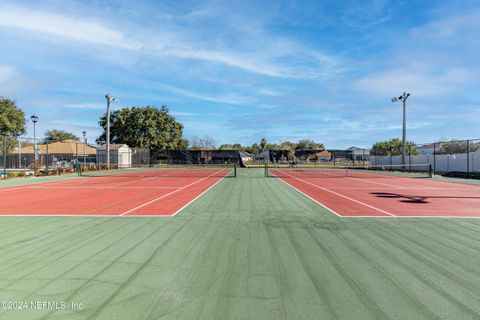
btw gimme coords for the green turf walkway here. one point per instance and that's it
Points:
(250, 248)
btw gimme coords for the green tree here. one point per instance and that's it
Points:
(59, 135)
(393, 147)
(263, 144)
(287, 145)
(12, 124)
(306, 144)
(235, 146)
(253, 149)
(12, 118)
(453, 147)
(145, 127)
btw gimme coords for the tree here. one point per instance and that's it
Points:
(263, 144)
(235, 146)
(144, 127)
(287, 145)
(12, 118)
(202, 143)
(253, 149)
(272, 146)
(55, 135)
(307, 144)
(12, 124)
(393, 147)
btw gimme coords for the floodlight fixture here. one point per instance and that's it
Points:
(403, 98)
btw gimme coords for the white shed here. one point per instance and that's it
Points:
(120, 155)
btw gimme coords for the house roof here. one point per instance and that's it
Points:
(426, 146)
(69, 147)
(356, 148)
(113, 146)
(324, 153)
(245, 154)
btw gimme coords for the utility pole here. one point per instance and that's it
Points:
(403, 98)
(109, 99)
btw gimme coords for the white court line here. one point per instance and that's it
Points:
(29, 185)
(415, 217)
(374, 182)
(166, 195)
(400, 188)
(201, 194)
(343, 196)
(306, 195)
(156, 215)
(470, 224)
(160, 187)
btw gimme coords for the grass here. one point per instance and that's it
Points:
(250, 248)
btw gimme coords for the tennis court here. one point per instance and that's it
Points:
(135, 192)
(357, 193)
(249, 248)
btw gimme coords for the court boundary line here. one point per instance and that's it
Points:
(156, 215)
(414, 217)
(373, 217)
(166, 195)
(306, 195)
(153, 215)
(76, 215)
(343, 196)
(201, 194)
(29, 185)
(113, 187)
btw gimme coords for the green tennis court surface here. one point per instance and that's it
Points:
(249, 248)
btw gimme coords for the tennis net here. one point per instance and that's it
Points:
(161, 171)
(373, 171)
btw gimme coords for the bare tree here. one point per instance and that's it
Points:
(202, 143)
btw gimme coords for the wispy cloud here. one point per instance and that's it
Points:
(279, 69)
(6, 73)
(228, 98)
(425, 83)
(184, 114)
(259, 61)
(62, 25)
(86, 106)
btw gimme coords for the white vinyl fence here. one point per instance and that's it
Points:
(440, 163)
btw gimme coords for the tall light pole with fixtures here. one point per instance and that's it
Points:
(84, 147)
(109, 99)
(34, 120)
(403, 98)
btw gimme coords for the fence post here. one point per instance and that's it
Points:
(434, 157)
(46, 159)
(19, 155)
(468, 158)
(5, 157)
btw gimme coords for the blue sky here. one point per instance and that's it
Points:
(242, 70)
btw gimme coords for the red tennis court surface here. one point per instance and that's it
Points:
(387, 196)
(108, 196)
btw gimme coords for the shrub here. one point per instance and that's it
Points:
(11, 174)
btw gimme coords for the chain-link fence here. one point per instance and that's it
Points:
(23, 156)
(457, 158)
(320, 158)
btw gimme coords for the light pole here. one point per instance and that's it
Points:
(403, 98)
(84, 147)
(34, 120)
(109, 99)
